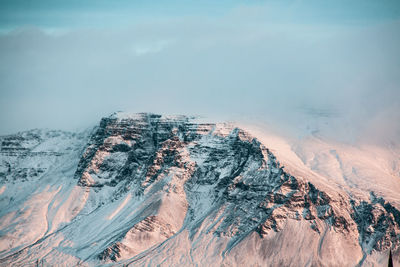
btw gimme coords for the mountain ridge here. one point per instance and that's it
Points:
(141, 184)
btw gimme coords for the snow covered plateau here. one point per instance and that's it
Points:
(148, 190)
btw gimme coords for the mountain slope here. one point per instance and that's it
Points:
(145, 189)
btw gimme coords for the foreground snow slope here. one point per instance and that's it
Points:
(142, 189)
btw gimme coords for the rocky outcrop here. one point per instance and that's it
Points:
(377, 223)
(228, 173)
(26, 156)
(153, 180)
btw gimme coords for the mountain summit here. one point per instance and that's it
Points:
(144, 189)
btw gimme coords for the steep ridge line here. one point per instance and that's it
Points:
(213, 183)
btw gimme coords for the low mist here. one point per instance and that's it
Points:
(297, 72)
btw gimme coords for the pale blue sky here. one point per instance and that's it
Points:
(301, 65)
(106, 13)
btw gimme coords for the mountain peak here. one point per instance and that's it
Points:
(147, 188)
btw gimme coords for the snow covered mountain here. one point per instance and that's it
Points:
(142, 189)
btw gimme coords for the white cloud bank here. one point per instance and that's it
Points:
(250, 63)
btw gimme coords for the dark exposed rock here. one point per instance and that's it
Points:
(228, 176)
(377, 223)
(242, 177)
(26, 157)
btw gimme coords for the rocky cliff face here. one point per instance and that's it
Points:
(146, 189)
(28, 155)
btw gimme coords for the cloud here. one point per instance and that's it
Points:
(141, 49)
(247, 63)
